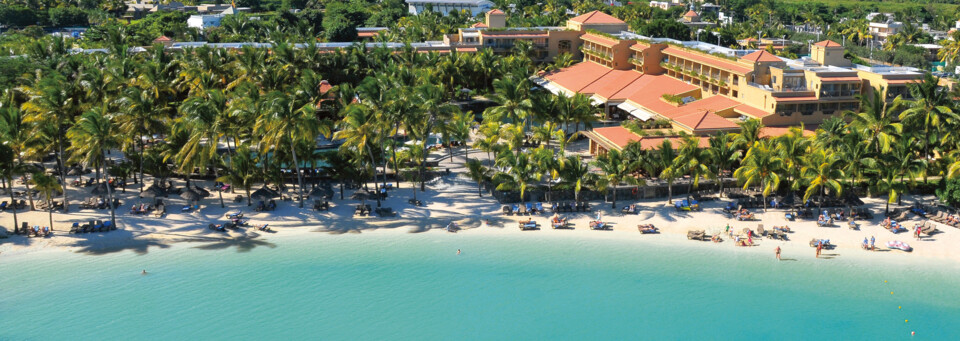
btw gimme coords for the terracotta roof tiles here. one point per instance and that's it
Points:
(597, 18)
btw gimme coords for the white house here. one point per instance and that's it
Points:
(444, 7)
(204, 21)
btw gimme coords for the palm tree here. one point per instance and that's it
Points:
(663, 161)
(283, 121)
(950, 51)
(359, 130)
(749, 133)
(932, 105)
(575, 174)
(243, 172)
(53, 102)
(140, 116)
(693, 160)
(204, 120)
(792, 146)
(513, 98)
(7, 171)
(822, 170)
(477, 172)
(544, 160)
(722, 153)
(519, 173)
(616, 170)
(48, 186)
(16, 134)
(761, 165)
(459, 130)
(90, 138)
(875, 122)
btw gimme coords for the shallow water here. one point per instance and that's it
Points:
(414, 286)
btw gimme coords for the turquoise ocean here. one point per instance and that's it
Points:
(414, 287)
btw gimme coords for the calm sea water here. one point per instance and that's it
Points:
(365, 287)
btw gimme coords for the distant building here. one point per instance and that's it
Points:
(882, 30)
(692, 20)
(444, 7)
(204, 21)
(368, 33)
(665, 5)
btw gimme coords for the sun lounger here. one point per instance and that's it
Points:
(928, 228)
(523, 210)
(75, 228)
(539, 207)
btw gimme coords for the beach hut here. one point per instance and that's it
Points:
(264, 193)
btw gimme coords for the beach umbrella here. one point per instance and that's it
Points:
(190, 195)
(264, 193)
(360, 195)
(203, 193)
(99, 189)
(321, 192)
(152, 192)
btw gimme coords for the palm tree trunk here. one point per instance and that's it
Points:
(113, 216)
(249, 201)
(16, 225)
(27, 183)
(670, 192)
(720, 179)
(49, 212)
(613, 203)
(376, 186)
(296, 166)
(216, 175)
(63, 181)
(142, 146)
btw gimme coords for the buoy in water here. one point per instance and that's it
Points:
(913, 333)
(891, 293)
(884, 281)
(898, 307)
(905, 321)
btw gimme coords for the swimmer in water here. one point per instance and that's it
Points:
(144, 272)
(458, 251)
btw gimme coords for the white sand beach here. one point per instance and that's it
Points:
(453, 198)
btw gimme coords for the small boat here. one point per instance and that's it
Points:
(896, 244)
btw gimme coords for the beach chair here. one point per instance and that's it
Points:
(75, 228)
(523, 209)
(516, 209)
(529, 208)
(539, 207)
(760, 231)
(108, 226)
(506, 210)
(928, 228)
(3, 205)
(586, 207)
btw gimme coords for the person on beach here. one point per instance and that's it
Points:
(918, 232)
(819, 247)
(778, 253)
(872, 240)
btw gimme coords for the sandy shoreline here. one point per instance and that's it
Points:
(454, 199)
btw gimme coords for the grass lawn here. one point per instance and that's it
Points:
(883, 6)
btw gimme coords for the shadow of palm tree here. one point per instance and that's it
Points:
(243, 244)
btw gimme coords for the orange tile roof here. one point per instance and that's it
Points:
(709, 60)
(163, 38)
(578, 76)
(649, 143)
(597, 18)
(827, 43)
(751, 111)
(761, 56)
(647, 90)
(325, 86)
(367, 34)
(495, 11)
(479, 24)
(808, 130)
(690, 13)
(466, 49)
(705, 120)
(639, 46)
(611, 83)
(596, 38)
(618, 135)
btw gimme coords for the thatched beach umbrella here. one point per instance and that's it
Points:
(99, 189)
(152, 192)
(264, 193)
(203, 193)
(190, 195)
(322, 192)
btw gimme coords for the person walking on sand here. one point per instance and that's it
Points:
(778, 253)
(872, 240)
(819, 247)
